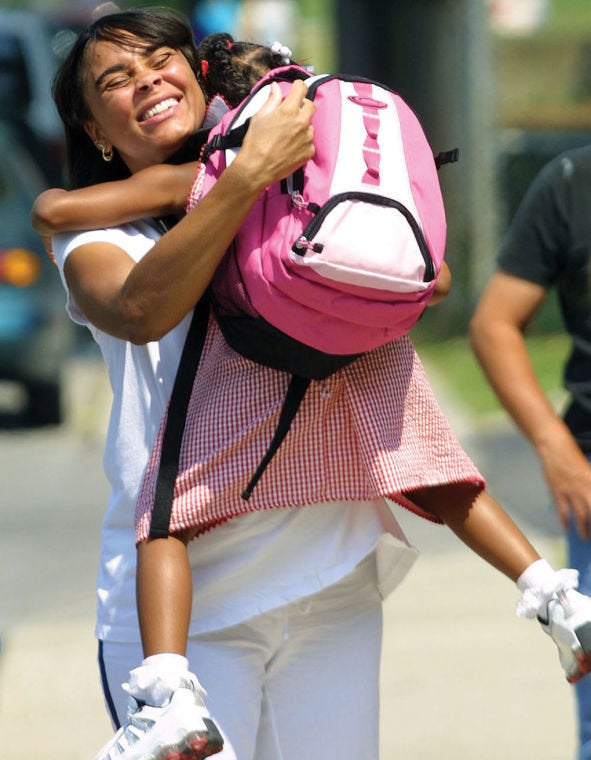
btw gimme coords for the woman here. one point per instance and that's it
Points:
(129, 98)
(286, 621)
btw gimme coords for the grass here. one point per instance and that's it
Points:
(570, 17)
(561, 97)
(455, 365)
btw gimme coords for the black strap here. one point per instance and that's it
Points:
(175, 420)
(232, 139)
(447, 157)
(293, 398)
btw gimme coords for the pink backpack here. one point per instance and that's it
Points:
(344, 254)
(338, 259)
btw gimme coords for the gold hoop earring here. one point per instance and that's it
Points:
(106, 153)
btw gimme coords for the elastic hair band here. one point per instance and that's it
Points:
(282, 50)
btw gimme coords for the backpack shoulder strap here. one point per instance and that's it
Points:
(296, 390)
(234, 136)
(177, 412)
(175, 420)
(232, 139)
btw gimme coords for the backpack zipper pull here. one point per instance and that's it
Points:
(297, 200)
(302, 244)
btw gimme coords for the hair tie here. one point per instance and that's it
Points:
(230, 44)
(283, 51)
(204, 68)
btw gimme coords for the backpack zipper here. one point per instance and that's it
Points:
(306, 240)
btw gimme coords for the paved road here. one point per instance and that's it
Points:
(462, 678)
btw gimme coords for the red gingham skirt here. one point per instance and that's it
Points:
(372, 429)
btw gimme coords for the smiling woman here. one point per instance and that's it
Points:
(143, 102)
(112, 76)
(129, 98)
(285, 624)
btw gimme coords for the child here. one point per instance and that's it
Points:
(445, 487)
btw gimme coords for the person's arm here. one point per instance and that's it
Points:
(155, 191)
(442, 286)
(142, 301)
(497, 337)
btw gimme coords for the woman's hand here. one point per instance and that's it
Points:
(280, 137)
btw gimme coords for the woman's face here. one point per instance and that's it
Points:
(146, 104)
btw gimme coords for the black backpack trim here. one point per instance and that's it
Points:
(317, 365)
(175, 422)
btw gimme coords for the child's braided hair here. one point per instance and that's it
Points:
(231, 68)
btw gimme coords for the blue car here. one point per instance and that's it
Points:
(36, 336)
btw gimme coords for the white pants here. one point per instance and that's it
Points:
(301, 681)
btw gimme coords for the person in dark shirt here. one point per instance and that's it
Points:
(548, 245)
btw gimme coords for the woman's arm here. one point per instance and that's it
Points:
(155, 191)
(142, 301)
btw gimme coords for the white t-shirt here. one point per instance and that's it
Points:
(262, 560)
(141, 379)
(249, 565)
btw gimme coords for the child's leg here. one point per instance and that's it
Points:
(168, 715)
(482, 524)
(164, 588)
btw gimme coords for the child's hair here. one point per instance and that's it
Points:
(230, 68)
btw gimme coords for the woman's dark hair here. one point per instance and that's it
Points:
(153, 28)
(231, 68)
